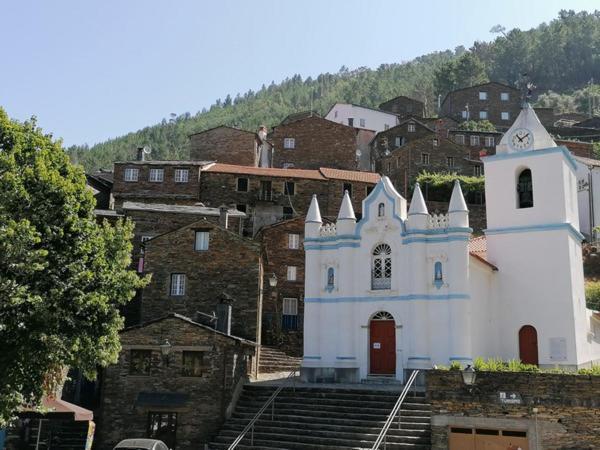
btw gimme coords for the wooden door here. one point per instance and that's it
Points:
(528, 346)
(383, 347)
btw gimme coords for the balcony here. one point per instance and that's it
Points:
(265, 196)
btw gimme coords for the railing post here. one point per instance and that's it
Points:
(252, 435)
(385, 442)
(399, 418)
(273, 410)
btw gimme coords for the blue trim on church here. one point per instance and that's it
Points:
(543, 227)
(370, 199)
(544, 151)
(393, 298)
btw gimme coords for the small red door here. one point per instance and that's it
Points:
(383, 347)
(528, 346)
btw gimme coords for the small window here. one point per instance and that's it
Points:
(350, 122)
(289, 188)
(381, 267)
(398, 162)
(242, 185)
(131, 174)
(435, 142)
(347, 187)
(483, 115)
(157, 175)
(425, 158)
(293, 241)
(477, 171)
(450, 161)
(241, 207)
(438, 276)
(482, 95)
(411, 128)
(193, 364)
(291, 273)
(474, 141)
(489, 141)
(330, 278)
(335, 114)
(505, 115)
(362, 122)
(525, 189)
(386, 127)
(202, 238)
(177, 284)
(289, 143)
(504, 96)
(182, 175)
(288, 212)
(389, 167)
(398, 141)
(381, 210)
(465, 114)
(459, 139)
(290, 314)
(140, 362)
(163, 425)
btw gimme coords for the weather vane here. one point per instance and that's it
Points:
(527, 87)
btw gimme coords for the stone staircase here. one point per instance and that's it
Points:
(326, 418)
(273, 360)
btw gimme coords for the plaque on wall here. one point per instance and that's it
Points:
(558, 349)
(376, 345)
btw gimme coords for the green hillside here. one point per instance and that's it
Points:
(562, 56)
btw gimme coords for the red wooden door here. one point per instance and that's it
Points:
(383, 347)
(528, 346)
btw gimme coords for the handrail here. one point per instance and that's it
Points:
(260, 411)
(395, 410)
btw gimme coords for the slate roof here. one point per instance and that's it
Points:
(182, 209)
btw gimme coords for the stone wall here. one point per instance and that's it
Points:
(203, 400)
(277, 257)
(167, 191)
(404, 107)
(318, 143)
(454, 103)
(568, 407)
(386, 140)
(230, 267)
(225, 145)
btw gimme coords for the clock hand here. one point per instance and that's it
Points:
(525, 135)
(519, 138)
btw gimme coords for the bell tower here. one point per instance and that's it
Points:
(533, 238)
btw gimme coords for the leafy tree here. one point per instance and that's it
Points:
(467, 70)
(477, 125)
(63, 276)
(592, 295)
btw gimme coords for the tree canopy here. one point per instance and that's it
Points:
(476, 125)
(63, 276)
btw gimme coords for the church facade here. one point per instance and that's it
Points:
(402, 289)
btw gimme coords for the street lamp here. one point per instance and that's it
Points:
(273, 280)
(469, 375)
(165, 349)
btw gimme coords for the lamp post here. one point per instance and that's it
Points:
(165, 349)
(273, 280)
(469, 375)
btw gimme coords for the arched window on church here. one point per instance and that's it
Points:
(381, 210)
(438, 276)
(381, 269)
(330, 278)
(525, 189)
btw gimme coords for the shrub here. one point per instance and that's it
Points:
(592, 295)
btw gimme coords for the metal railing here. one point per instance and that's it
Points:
(396, 410)
(269, 402)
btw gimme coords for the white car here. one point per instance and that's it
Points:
(141, 444)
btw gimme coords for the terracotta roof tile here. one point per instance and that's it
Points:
(322, 174)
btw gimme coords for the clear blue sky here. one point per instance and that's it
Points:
(95, 69)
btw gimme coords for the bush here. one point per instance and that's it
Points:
(438, 186)
(592, 295)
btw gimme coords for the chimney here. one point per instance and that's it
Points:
(141, 154)
(223, 216)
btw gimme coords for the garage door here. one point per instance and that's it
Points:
(487, 439)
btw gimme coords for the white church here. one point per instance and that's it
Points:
(401, 290)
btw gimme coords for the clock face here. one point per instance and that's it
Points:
(521, 139)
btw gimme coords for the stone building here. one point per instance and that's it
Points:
(101, 184)
(309, 141)
(269, 195)
(176, 380)
(407, 131)
(404, 106)
(363, 117)
(493, 101)
(230, 145)
(175, 182)
(427, 154)
(479, 143)
(204, 269)
(512, 410)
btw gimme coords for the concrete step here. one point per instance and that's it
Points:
(324, 401)
(408, 423)
(283, 407)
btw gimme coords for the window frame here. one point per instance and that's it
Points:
(474, 141)
(286, 190)
(293, 241)
(462, 139)
(504, 96)
(292, 273)
(131, 170)
(503, 114)
(489, 141)
(289, 143)
(193, 354)
(362, 122)
(483, 95)
(477, 171)
(450, 162)
(178, 178)
(411, 128)
(173, 292)
(483, 114)
(425, 159)
(381, 262)
(152, 175)
(147, 370)
(205, 241)
(237, 184)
